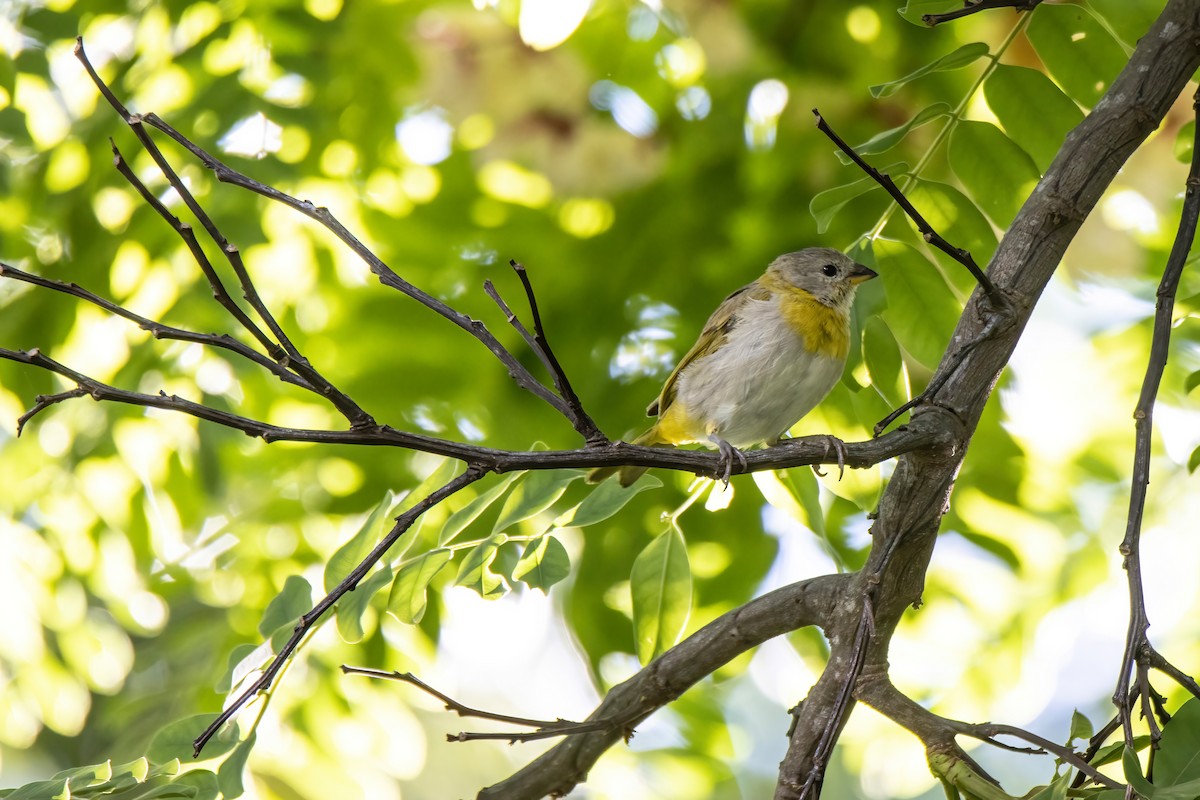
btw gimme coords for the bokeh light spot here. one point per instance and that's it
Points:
(681, 63)
(252, 137)
(339, 159)
(545, 24)
(863, 24)
(512, 183)
(68, 166)
(586, 218)
(425, 136)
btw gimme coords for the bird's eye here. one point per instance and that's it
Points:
(829, 270)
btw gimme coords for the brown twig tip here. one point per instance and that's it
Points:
(975, 6)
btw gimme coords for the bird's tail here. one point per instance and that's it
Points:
(628, 474)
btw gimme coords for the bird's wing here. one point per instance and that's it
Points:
(716, 332)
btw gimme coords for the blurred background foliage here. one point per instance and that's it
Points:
(642, 159)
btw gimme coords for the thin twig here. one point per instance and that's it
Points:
(1000, 307)
(348, 584)
(929, 433)
(282, 349)
(975, 6)
(964, 257)
(1137, 646)
(386, 275)
(157, 329)
(545, 728)
(583, 423)
(44, 401)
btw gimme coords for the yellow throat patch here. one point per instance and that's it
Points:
(826, 330)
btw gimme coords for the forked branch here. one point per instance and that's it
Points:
(1139, 654)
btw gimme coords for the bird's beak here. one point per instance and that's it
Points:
(860, 273)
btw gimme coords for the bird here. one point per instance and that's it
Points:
(766, 357)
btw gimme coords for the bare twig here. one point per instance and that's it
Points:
(964, 257)
(1137, 645)
(802, 451)
(157, 329)
(975, 6)
(44, 401)
(545, 728)
(579, 417)
(348, 584)
(1000, 312)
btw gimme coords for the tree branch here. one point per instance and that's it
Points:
(913, 501)
(545, 728)
(157, 329)
(558, 770)
(803, 451)
(975, 6)
(348, 584)
(1137, 644)
(937, 733)
(1001, 311)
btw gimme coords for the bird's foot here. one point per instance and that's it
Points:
(839, 447)
(728, 453)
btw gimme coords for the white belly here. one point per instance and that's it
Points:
(759, 383)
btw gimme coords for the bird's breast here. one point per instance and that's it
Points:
(825, 330)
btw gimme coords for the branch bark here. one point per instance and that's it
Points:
(915, 498)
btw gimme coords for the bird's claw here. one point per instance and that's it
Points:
(725, 463)
(839, 447)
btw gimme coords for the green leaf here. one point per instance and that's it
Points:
(1076, 49)
(960, 58)
(886, 140)
(85, 775)
(1185, 142)
(961, 223)
(1128, 19)
(605, 500)
(156, 788)
(1111, 753)
(885, 367)
(407, 600)
(460, 519)
(544, 563)
(174, 740)
(38, 790)
(439, 477)
(661, 585)
(139, 768)
(915, 9)
(200, 781)
(288, 606)
(1057, 790)
(997, 173)
(825, 205)
(534, 495)
(1081, 727)
(474, 572)
(1133, 773)
(1034, 112)
(1178, 757)
(237, 666)
(351, 554)
(1193, 461)
(921, 310)
(1192, 381)
(229, 774)
(352, 606)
